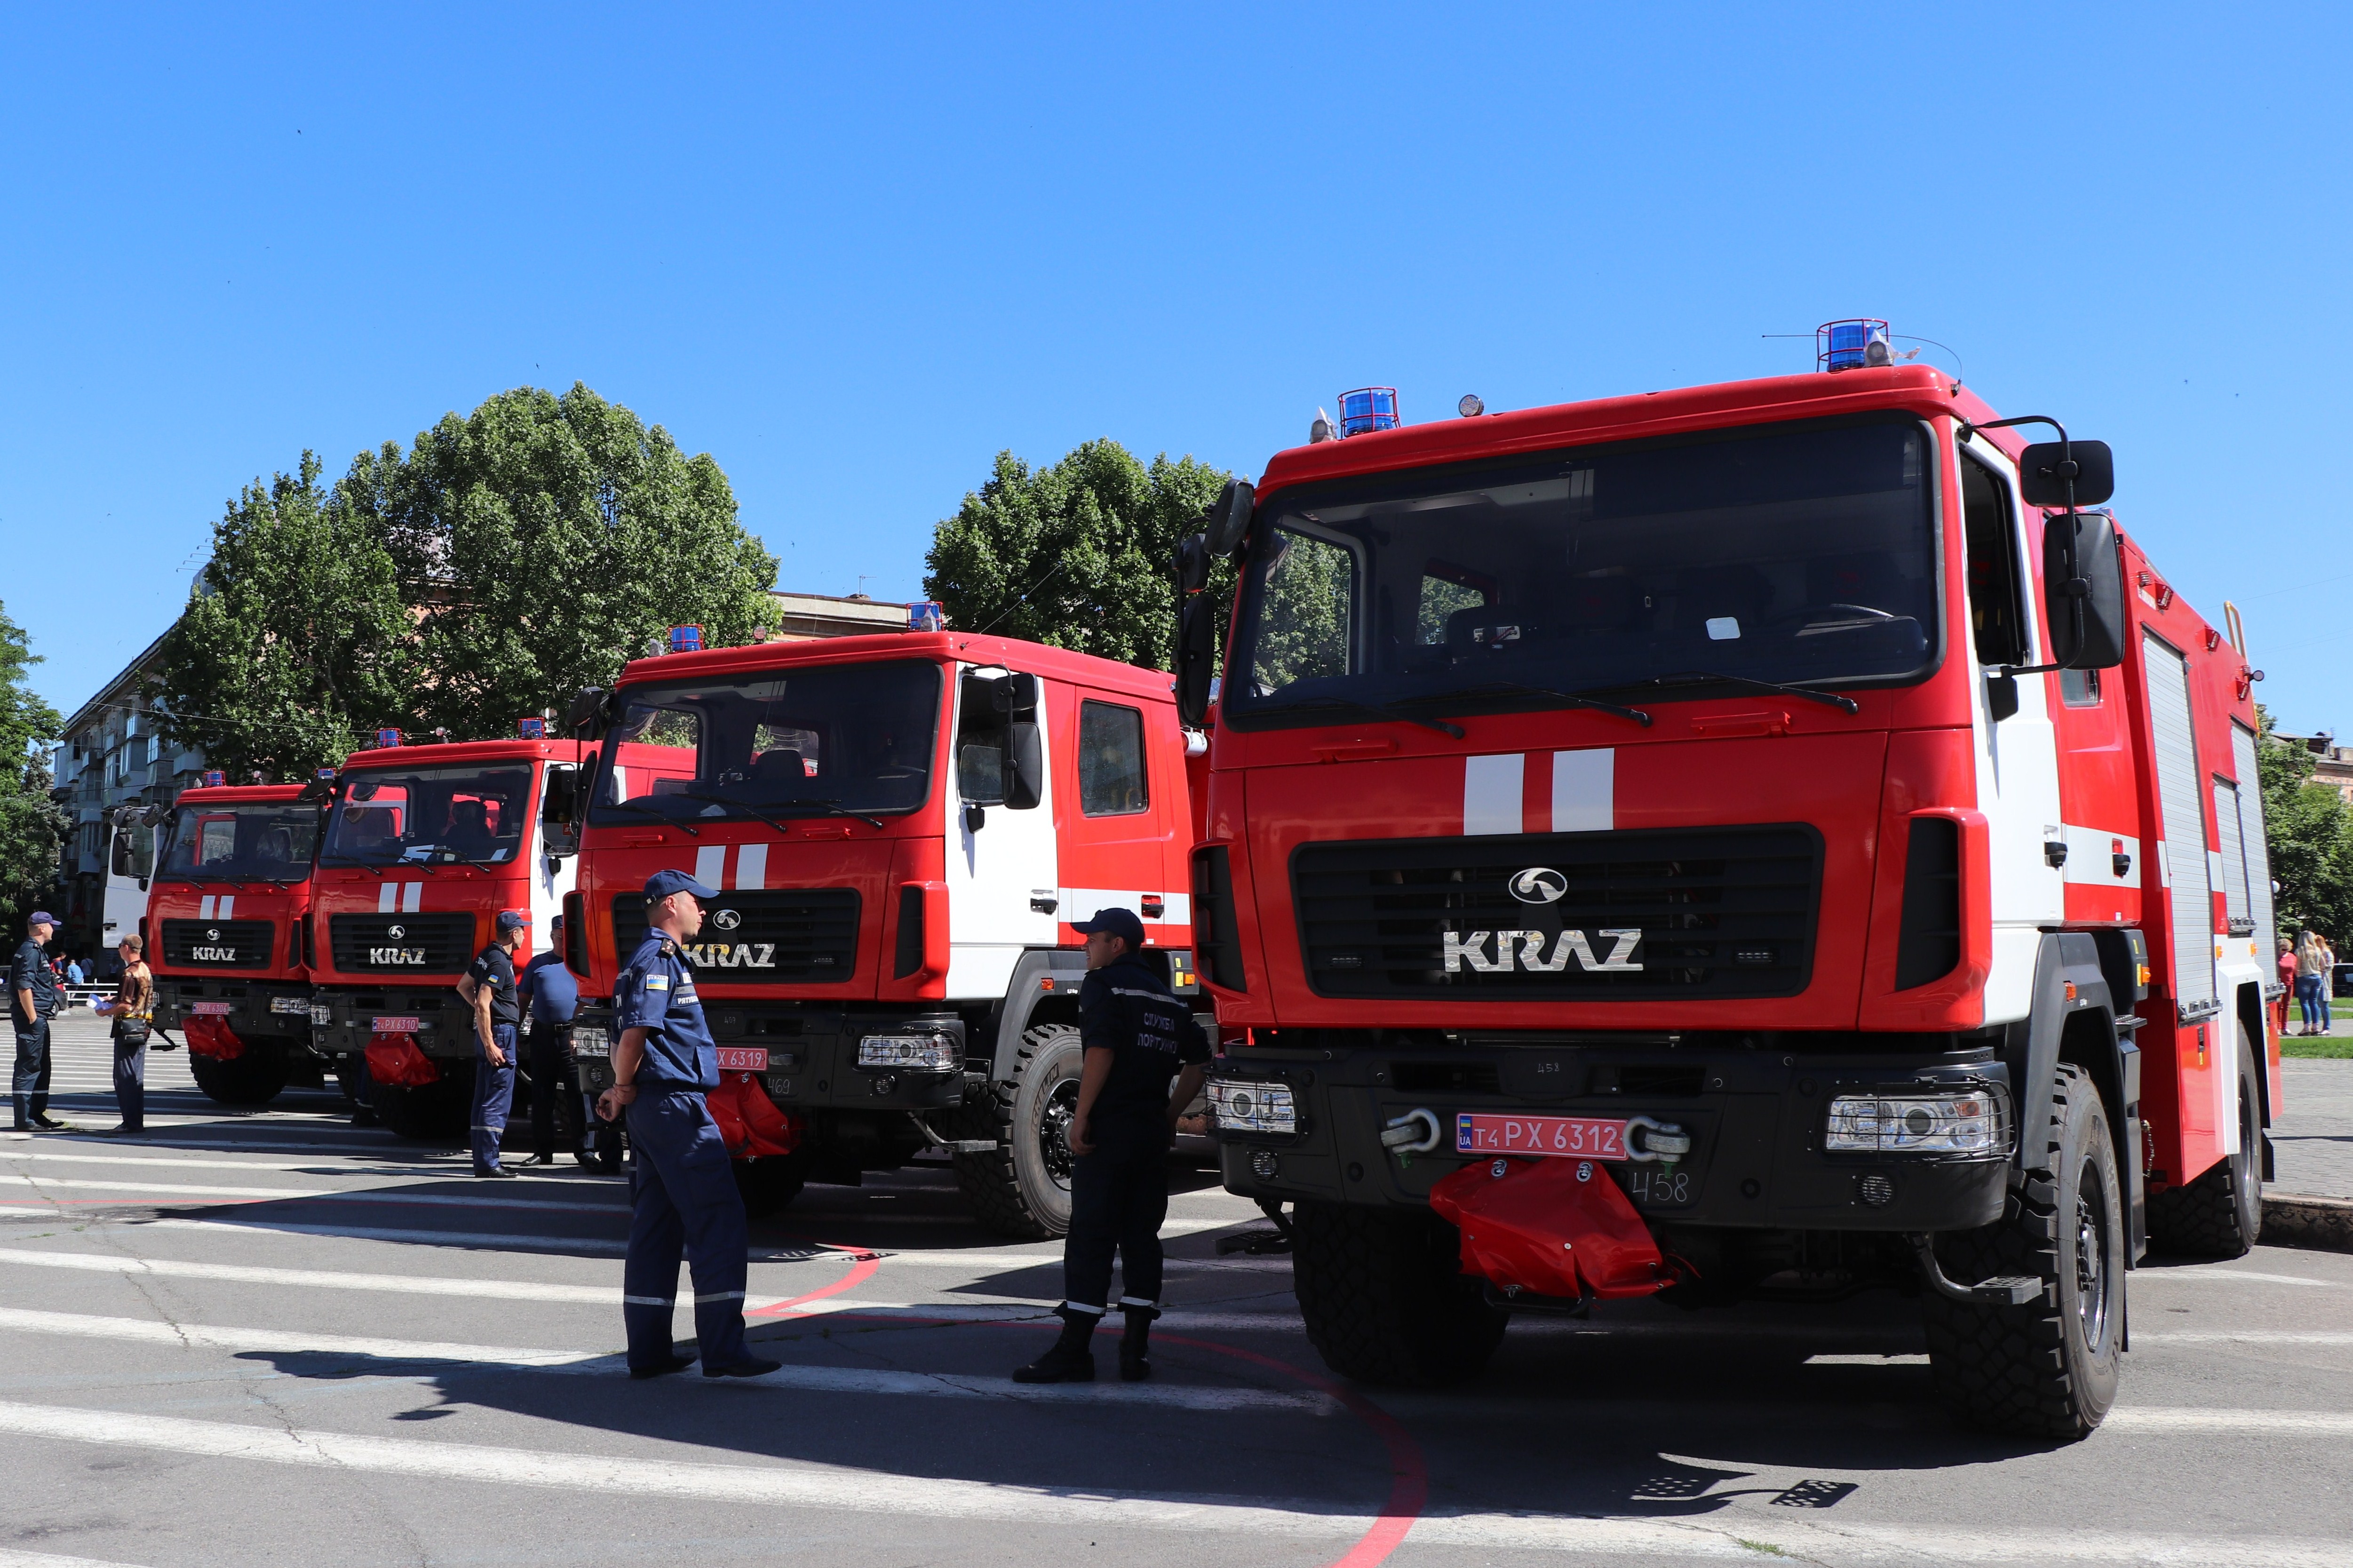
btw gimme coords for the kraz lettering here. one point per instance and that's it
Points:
(213, 955)
(397, 956)
(1525, 950)
(734, 955)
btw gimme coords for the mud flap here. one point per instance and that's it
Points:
(394, 1059)
(1557, 1228)
(212, 1037)
(750, 1123)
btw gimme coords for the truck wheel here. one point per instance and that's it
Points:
(770, 1183)
(1022, 1187)
(251, 1079)
(2219, 1215)
(2047, 1368)
(438, 1112)
(1385, 1296)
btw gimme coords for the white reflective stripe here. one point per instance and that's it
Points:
(1075, 904)
(205, 907)
(412, 897)
(751, 867)
(228, 903)
(388, 896)
(1138, 1301)
(645, 1301)
(1081, 1306)
(1585, 791)
(701, 1296)
(711, 866)
(1491, 793)
(1130, 990)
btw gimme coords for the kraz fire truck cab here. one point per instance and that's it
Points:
(1753, 839)
(423, 846)
(226, 920)
(900, 829)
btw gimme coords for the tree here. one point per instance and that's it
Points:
(2308, 829)
(1078, 555)
(544, 541)
(31, 826)
(296, 639)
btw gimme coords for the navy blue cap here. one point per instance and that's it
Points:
(1114, 921)
(662, 883)
(41, 918)
(513, 920)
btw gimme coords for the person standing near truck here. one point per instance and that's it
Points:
(682, 1196)
(551, 996)
(488, 989)
(1137, 1036)
(132, 1007)
(32, 1002)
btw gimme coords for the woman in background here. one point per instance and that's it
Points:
(132, 1007)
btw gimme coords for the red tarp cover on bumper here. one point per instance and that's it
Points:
(209, 1036)
(749, 1122)
(394, 1059)
(1540, 1228)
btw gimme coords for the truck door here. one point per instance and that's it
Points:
(2182, 826)
(1115, 845)
(1003, 871)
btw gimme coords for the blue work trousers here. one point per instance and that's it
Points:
(494, 1096)
(1119, 1197)
(682, 1206)
(32, 1077)
(130, 1082)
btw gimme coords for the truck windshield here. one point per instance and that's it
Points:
(429, 816)
(820, 740)
(1795, 553)
(257, 843)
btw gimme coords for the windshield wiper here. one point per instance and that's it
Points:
(828, 807)
(1373, 709)
(664, 818)
(1747, 684)
(1574, 699)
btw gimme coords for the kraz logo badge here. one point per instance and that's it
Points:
(396, 957)
(734, 955)
(727, 919)
(212, 933)
(1525, 950)
(212, 955)
(396, 932)
(1538, 884)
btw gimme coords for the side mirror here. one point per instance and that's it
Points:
(2044, 474)
(1197, 648)
(560, 802)
(588, 714)
(2001, 697)
(976, 817)
(1230, 517)
(1025, 767)
(2084, 590)
(1192, 563)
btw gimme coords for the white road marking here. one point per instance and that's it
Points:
(2238, 1276)
(1865, 1361)
(316, 1194)
(2242, 1337)
(2262, 1423)
(307, 1167)
(12, 1558)
(81, 1326)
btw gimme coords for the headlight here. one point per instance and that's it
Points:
(322, 1016)
(910, 1053)
(1967, 1124)
(591, 1043)
(1249, 1105)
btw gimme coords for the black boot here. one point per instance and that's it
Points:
(1135, 1348)
(1070, 1361)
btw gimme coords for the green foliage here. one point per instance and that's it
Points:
(1303, 633)
(546, 541)
(1079, 555)
(295, 638)
(2308, 829)
(30, 827)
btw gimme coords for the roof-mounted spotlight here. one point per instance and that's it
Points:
(1471, 407)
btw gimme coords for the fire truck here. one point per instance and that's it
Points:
(902, 829)
(227, 935)
(423, 846)
(1769, 839)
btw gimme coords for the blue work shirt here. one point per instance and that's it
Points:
(550, 990)
(656, 993)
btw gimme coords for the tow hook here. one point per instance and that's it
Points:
(1416, 1132)
(2011, 1290)
(951, 1145)
(1664, 1141)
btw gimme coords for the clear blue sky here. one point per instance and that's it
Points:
(855, 251)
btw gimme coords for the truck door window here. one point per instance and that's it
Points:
(1997, 618)
(2080, 688)
(1306, 612)
(1111, 760)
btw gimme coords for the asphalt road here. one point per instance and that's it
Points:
(267, 1338)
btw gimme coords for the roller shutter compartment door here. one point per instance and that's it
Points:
(2252, 842)
(2181, 799)
(2233, 854)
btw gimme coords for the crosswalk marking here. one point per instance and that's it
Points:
(314, 1194)
(12, 1558)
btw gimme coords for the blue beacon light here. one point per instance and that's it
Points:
(1852, 344)
(215, 779)
(386, 738)
(686, 640)
(1368, 408)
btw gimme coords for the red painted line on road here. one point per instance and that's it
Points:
(860, 1273)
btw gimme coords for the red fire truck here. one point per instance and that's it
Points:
(225, 932)
(1751, 839)
(423, 846)
(901, 830)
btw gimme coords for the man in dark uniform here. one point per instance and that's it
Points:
(488, 989)
(1137, 1036)
(682, 1196)
(551, 994)
(33, 995)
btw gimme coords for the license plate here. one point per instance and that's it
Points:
(210, 1008)
(1558, 1137)
(395, 1025)
(743, 1058)
(298, 1005)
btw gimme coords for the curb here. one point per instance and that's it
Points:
(2320, 1224)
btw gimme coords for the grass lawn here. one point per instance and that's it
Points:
(2319, 1045)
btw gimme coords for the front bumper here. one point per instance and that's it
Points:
(258, 1009)
(342, 1020)
(1755, 1119)
(812, 1055)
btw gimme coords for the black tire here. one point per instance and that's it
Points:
(1384, 1298)
(2219, 1215)
(2047, 1368)
(438, 1112)
(770, 1183)
(253, 1078)
(1022, 1187)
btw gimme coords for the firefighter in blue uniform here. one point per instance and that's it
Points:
(682, 1195)
(32, 998)
(1137, 1036)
